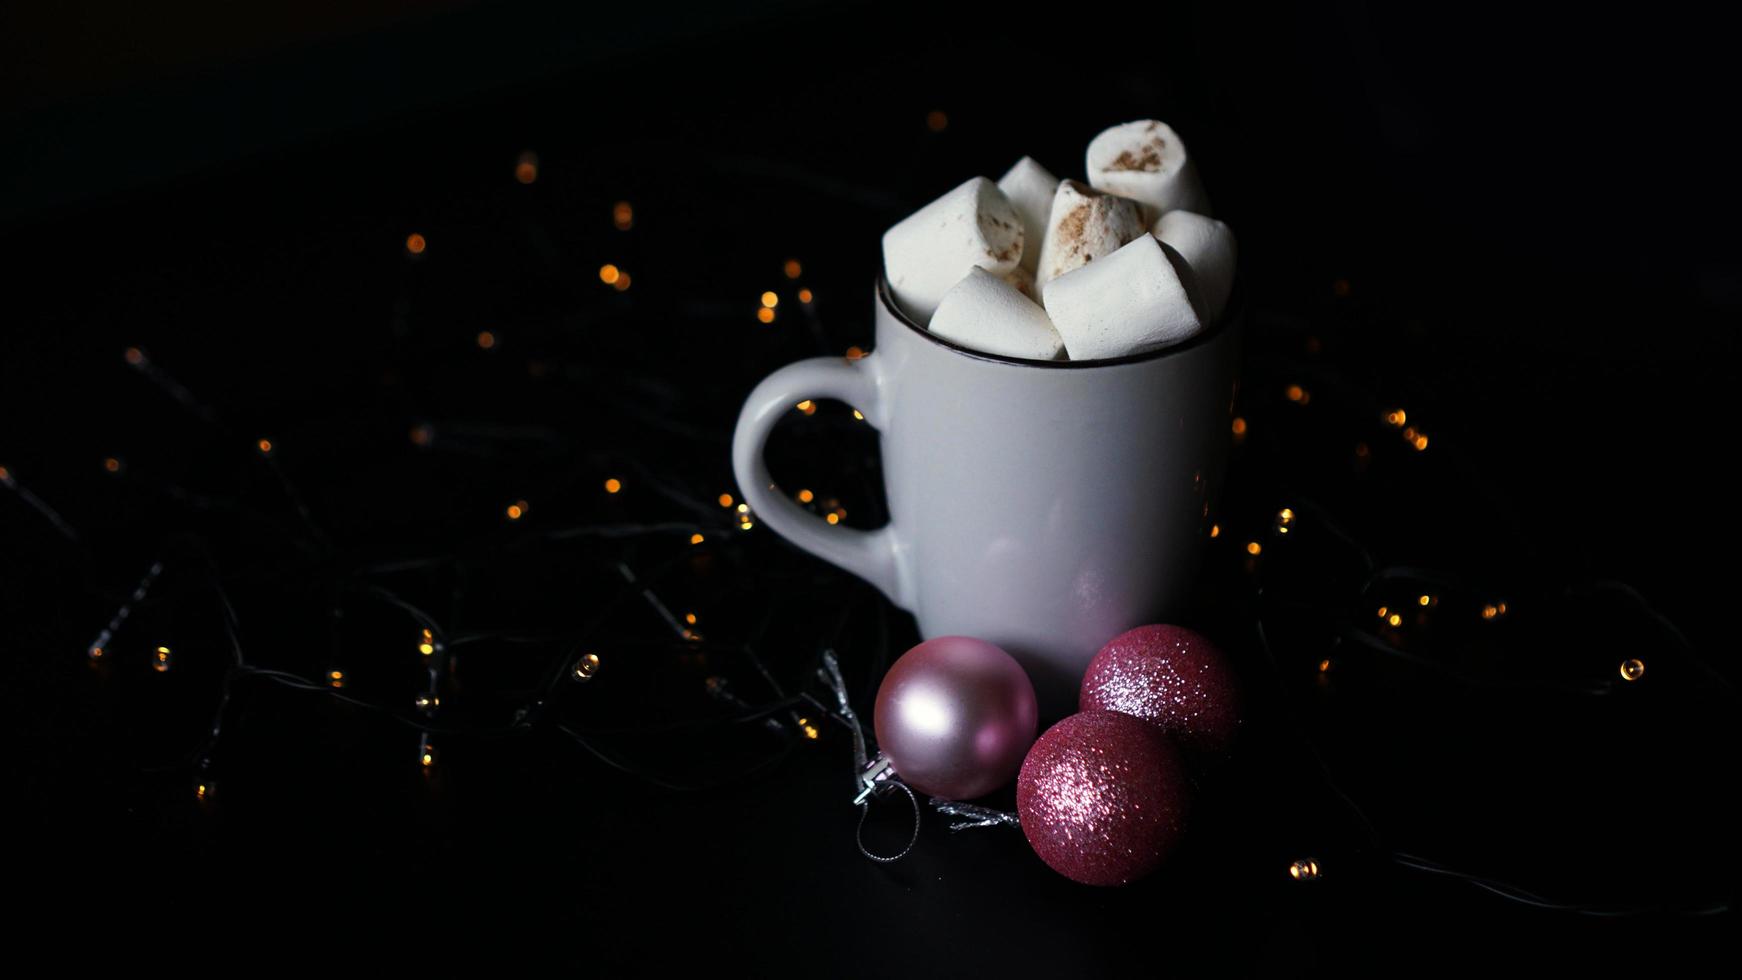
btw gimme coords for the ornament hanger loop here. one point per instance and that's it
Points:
(865, 811)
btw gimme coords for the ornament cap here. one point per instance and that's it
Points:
(875, 773)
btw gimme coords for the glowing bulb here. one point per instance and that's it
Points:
(1295, 393)
(725, 500)
(696, 538)
(810, 730)
(486, 339)
(1239, 426)
(586, 667)
(160, 660)
(265, 447)
(427, 646)
(805, 296)
(336, 678)
(805, 496)
(690, 618)
(1384, 611)
(808, 407)
(1285, 516)
(202, 791)
(95, 653)
(516, 510)
(1394, 619)
(415, 244)
(623, 216)
(858, 415)
(613, 485)
(1306, 869)
(1253, 547)
(793, 269)
(1325, 666)
(622, 282)
(134, 356)
(770, 300)
(765, 315)
(1426, 600)
(1420, 443)
(1215, 530)
(937, 121)
(855, 352)
(112, 464)
(833, 518)
(526, 170)
(428, 757)
(609, 274)
(427, 702)
(1396, 417)
(1490, 612)
(1632, 670)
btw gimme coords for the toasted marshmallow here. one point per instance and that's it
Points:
(1207, 248)
(1085, 224)
(1030, 189)
(1146, 161)
(989, 314)
(931, 249)
(1125, 303)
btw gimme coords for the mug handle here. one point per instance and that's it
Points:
(871, 555)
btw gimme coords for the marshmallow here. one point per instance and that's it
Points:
(1146, 161)
(933, 248)
(1085, 224)
(1207, 247)
(1030, 189)
(988, 314)
(1126, 303)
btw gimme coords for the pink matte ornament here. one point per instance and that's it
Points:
(955, 715)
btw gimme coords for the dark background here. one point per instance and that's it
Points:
(1518, 225)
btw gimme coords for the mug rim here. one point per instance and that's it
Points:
(886, 296)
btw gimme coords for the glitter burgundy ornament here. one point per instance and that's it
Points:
(1173, 678)
(1103, 797)
(954, 716)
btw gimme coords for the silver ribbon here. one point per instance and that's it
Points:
(974, 816)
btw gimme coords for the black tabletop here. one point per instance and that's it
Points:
(461, 370)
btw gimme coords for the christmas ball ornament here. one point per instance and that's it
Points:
(1173, 678)
(954, 716)
(1103, 797)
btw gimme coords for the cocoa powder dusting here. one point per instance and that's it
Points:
(1073, 224)
(1147, 158)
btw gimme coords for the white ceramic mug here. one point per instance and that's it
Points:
(1043, 506)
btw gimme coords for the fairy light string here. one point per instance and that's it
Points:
(710, 522)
